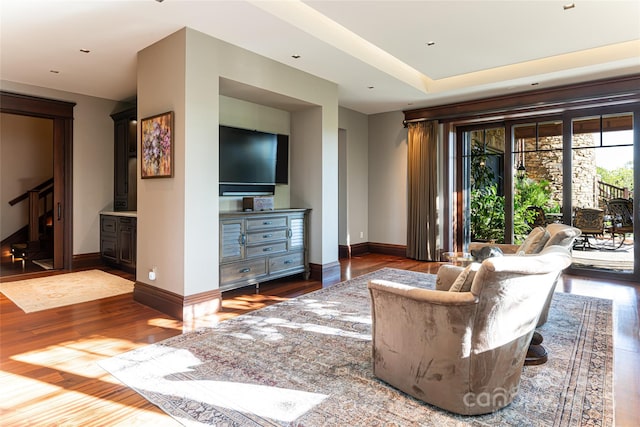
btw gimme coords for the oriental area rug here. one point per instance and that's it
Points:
(60, 290)
(307, 362)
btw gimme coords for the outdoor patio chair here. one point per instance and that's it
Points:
(590, 221)
(621, 213)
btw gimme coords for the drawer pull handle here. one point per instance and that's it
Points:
(266, 236)
(269, 249)
(245, 270)
(288, 261)
(267, 222)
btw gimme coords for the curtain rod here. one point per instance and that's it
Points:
(405, 123)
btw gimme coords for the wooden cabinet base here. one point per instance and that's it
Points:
(259, 246)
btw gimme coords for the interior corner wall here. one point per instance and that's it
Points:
(92, 160)
(343, 200)
(181, 73)
(388, 185)
(356, 157)
(26, 160)
(161, 201)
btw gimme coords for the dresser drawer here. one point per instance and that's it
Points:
(264, 250)
(108, 224)
(243, 270)
(286, 262)
(264, 223)
(266, 236)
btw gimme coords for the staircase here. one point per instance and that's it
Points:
(35, 241)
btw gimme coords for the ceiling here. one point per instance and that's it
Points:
(378, 52)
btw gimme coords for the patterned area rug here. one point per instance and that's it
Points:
(307, 361)
(59, 290)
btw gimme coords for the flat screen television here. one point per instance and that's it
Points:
(252, 162)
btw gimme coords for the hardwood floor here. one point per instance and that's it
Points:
(48, 359)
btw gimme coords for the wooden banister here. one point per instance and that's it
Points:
(38, 188)
(40, 191)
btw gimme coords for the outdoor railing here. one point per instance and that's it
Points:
(608, 191)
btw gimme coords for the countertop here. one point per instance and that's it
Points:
(133, 214)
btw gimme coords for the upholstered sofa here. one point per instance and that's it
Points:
(538, 239)
(555, 234)
(463, 351)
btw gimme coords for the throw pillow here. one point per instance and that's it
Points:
(562, 235)
(465, 278)
(535, 241)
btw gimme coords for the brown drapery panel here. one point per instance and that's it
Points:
(422, 213)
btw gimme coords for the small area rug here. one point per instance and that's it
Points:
(307, 362)
(64, 289)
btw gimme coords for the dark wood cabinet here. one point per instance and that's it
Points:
(125, 153)
(118, 241)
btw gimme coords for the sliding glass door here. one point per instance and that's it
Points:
(576, 169)
(602, 185)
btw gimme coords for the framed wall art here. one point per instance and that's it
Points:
(156, 151)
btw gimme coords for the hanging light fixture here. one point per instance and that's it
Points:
(521, 171)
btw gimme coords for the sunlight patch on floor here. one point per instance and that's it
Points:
(169, 374)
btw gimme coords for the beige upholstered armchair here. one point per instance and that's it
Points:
(463, 351)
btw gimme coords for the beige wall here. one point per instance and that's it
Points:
(388, 179)
(92, 160)
(355, 159)
(26, 160)
(177, 217)
(248, 115)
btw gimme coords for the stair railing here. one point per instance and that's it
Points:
(34, 196)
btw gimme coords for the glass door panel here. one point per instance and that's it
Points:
(602, 151)
(537, 163)
(483, 176)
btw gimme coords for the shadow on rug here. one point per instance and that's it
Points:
(307, 361)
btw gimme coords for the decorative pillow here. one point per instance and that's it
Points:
(562, 235)
(465, 278)
(535, 241)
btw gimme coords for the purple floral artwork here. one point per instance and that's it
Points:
(157, 146)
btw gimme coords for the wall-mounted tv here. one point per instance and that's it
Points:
(252, 162)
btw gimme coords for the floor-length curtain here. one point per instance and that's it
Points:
(422, 221)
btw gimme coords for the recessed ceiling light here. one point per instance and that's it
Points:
(535, 84)
(569, 6)
(159, 1)
(85, 50)
(295, 56)
(431, 43)
(54, 71)
(370, 87)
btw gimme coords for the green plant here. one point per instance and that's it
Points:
(487, 209)
(487, 214)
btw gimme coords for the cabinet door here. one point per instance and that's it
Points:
(296, 232)
(108, 238)
(121, 165)
(127, 241)
(232, 240)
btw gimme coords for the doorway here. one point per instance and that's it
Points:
(61, 115)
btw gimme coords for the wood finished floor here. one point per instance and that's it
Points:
(48, 360)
